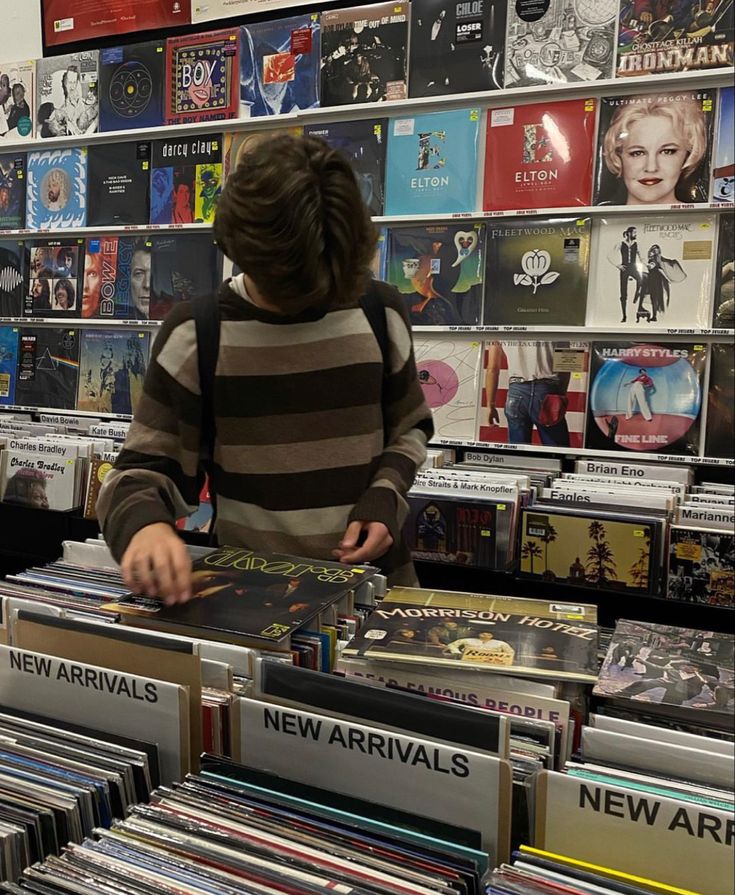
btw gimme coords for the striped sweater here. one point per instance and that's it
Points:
(308, 435)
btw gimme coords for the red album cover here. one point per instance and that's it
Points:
(69, 21)
(203, 77)
(540, 155)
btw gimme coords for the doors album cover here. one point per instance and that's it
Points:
(449, 373)
(701, 567)
(17, 100)
(439, 270)
(537, 272)
(540, 155)
(456, 47)
(112, 368)
(655, 148)
(48, 368)
(132, 84)
(67, 95)
(458, 531)
(724, 309)
(432, 163)
(364, 53)
(119, 177)
(723, 157)
(646, 397)
(117, 277)
(56, 189)
(54, 278)
(202, 77)
(534, 393)
(186, 180)
(9, 336)
(12, 255)
(12, 191)
(182, 267)
(655, 269)
(279, 66)
(719, 440)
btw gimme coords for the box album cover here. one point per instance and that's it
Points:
(132, 84)
(589, 550)
(364, 144)
(237, 143)
(17, 100)
(112, 367)
(117, 277)
(724, 310)
(449, 373)
(474, 631)
(652, 270)
(439, 270)
(279, 66)
(12, 257)
(540, 155)
(54, 278)
(655, 148)
(645, 397)
(8, 363)
(12, 191)
(186, 180)
(701, 567)
(723, 162)
(364, 54)
(676, 668)
(56, 189)
(118, 175)
(48, 367)
(202, 76)
(44, 483)
(719, 439)
(456, 47)
(182, 267)
(67, 94)
(461, 532)
(537, 272)
(534, 393)
(556, 41)
(432, 163)
(657, 38)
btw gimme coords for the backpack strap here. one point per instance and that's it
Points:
(207, 322)
(374, 310)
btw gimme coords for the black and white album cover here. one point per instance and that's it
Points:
(12, 254)
(67, 95)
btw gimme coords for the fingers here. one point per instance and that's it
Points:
(377, 543)
(160, 568)
(351, 536)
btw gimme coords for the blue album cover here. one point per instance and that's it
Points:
(8, 363)
(12, 191)
(132, 83)
(112, 368)
(723, 174)
(279, 66)
(432, 163)
(56, 194)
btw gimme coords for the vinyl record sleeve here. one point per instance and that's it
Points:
(558, 42)
(652, 270)
(538, 391)
(432, 163)
(47, 483)
(688, 36)
(364, 144)
(67, 95)
(17, 100)
(48, 367)
(724, 310)
(701, 566)
(117, 277)
(12, 255)
(655, 148)
(12, 190)
(537, 272)
(540, 155)
(721, 399)
(118, 175)
(279, 66)
(456, 47)
(186, 179)
(364, 52)
(449, 373)
(8, 363)
(239, 142)
(439, 271)
(646, 397)
(53, 281)
(132, 85)
(112, 368)
(723, 162)
(56, 191)
(202, 74)
(182, 267)
(458, 531)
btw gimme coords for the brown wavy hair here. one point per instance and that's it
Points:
(291, 216)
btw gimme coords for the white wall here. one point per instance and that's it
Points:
(21, 30)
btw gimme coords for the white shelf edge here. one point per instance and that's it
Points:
(101, 231)
(21, 408)
(67, 322)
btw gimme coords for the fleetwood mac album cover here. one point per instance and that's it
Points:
(12, 191)
(558, 41)
(12, 255)
(119, 177)
(56, 190)
(646, 397)
(719, 438)
(112, 368)
(724, 311)
(67, 95)
(537, 271)
(457, 531)
(432, 163)
(534, 393)
(364, 143)
(117, 277)
(54, 277)
(439, 269)
(449, 373)
(655, 39)
(364, 53)
(186, 179)
(456, 47)
(652, 270)
(540, 155)
(48, 367)
(723, 163)
(279, 66)
(132, 83)
(8, 363)
(17, 100)
(182, 267)
(655, 148)
(202, 76)
(701, 566)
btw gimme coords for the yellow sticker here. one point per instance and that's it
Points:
(501, 507)
(358, 571)
(689, 551)
(485, 533)
(638, 533)
(475, 115)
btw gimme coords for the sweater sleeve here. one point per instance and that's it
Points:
(407, 423)
(156, 477)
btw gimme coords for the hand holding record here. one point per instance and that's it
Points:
(157, 563)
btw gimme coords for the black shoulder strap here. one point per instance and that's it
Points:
(374, 310)
(207, 320)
